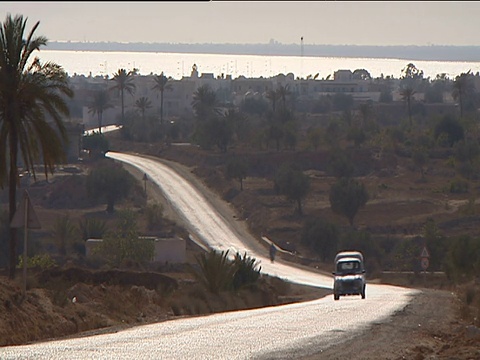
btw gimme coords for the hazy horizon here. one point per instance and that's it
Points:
(255, 22)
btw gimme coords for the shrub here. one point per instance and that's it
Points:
(154, 214)
(218, 273)
(247, 271)
(124, 244)
(43, 261)
(458, 186)
(91, 228)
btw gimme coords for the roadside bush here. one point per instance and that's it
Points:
(124, 244)
(219, 273)
(42, 261)
(247, 271)
(91, 228)
(216, 271)
(463, 259)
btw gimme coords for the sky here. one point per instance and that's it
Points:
(256, 22)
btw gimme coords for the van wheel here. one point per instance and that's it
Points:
(363, 293)
(336, 296)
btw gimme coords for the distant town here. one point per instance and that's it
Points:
(274, 48)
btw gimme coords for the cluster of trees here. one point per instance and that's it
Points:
(124, 84)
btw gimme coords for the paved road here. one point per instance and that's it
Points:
(281, 332)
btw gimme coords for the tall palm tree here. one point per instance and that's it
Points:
(124, 82)
(462, 87)
(101, 102)
(143, 104)
(32, 104)
(407, 95)
(161, 84)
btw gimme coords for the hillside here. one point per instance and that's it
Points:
(66, 303)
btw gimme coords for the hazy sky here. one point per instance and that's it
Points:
(319, 22)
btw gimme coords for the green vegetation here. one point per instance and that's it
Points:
(154, 214)
(92, 228)
(110, 181)
(64, 233)
(101, 103)
(123, 82)
(347, 196)
(219, 273)
(293, 183)
(97, 145)
(124, 244)
(32, 98)
(237, 168)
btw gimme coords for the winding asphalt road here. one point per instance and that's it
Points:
(281, 332)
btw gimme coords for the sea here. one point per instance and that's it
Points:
(178, 65)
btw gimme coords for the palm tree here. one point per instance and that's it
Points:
(273, 96)
(462, 87)
(161, 84)
(100, 103)
(143, 104)
(32, 103)
(124, 82)
(283, 92)
(204, 102)
(407, 96)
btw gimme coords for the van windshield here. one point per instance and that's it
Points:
(348, 267)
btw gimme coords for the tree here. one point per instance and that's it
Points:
(357, 135)
(361, 74)
(161, 84)
(366, 111)
(205, 102)
(273, 96)
(143, 104)
(340, 164)
(407, 95)
(124, 82)
(32, 106)
(97, 144)
(321, 236)
(347, 196)
(100, 103)
(451, 127)
(63, 233)
(125, 244)
(462, 87)
(411, 72)
(293, 183)
(237, 168)
(109, 181)
(283, 92)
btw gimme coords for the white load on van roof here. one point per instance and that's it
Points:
(349, 253)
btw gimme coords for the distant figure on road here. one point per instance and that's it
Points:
(273, 251)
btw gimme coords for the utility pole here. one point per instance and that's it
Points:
(301, 57)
